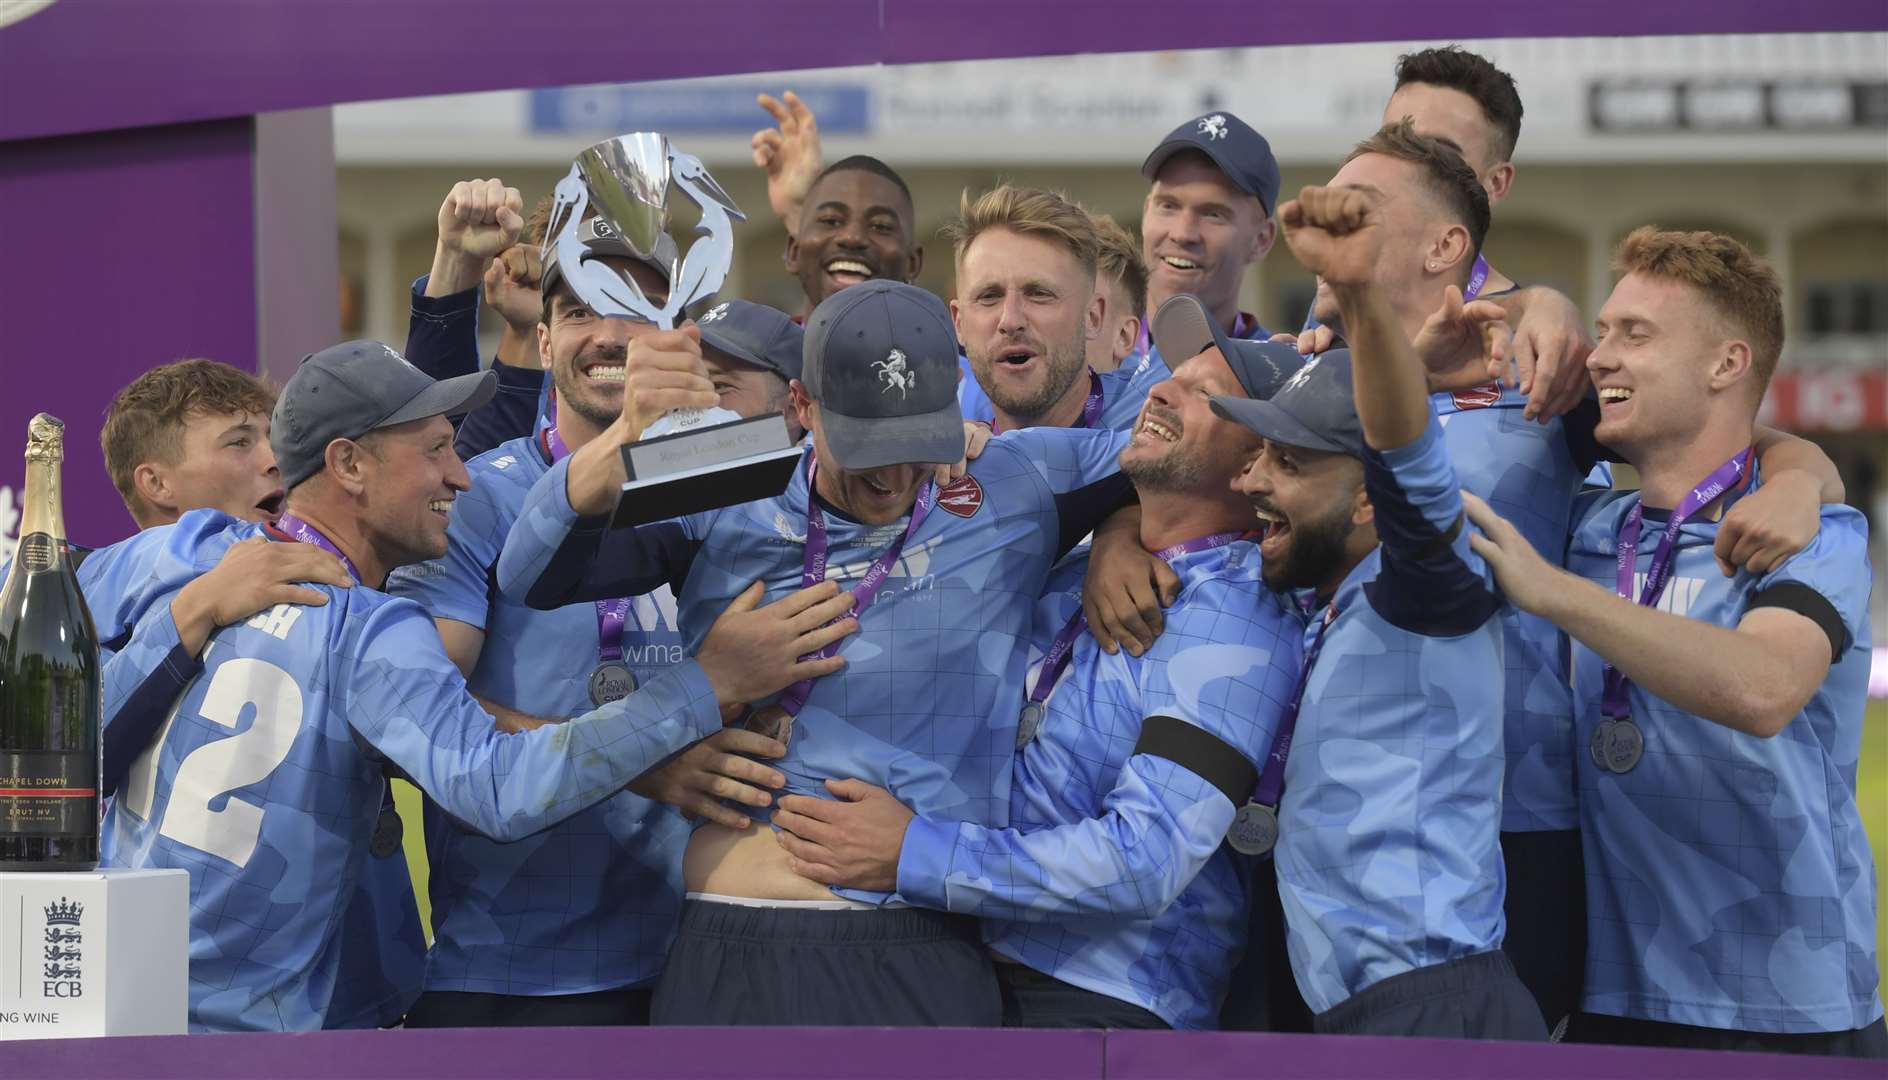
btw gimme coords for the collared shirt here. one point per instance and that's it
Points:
(1113, 874)
(589, 904)
(1729, 881)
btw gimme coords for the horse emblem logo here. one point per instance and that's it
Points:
(1213, 127)
(713, 314)
(895, 373)
(1299, 377)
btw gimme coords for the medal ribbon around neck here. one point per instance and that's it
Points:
(813, 570)
(1614, 703)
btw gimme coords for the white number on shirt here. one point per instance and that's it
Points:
(226, 764)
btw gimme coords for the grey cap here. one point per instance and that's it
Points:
(754, 334)
(1182, 329)
(1314, 410)
(350, 389)
(1240, 152)
(602, 239)
(881, 361)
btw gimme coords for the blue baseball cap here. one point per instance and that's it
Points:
(1239, 151)
(602, 240)
(1182, 330)
(347, 390)
(881, 361)
(1314, 410)
(754, 334)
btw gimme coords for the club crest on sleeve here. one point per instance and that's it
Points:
(964, 497)
(1477, 397)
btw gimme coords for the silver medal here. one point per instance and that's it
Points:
(1028, 723)
(387, 832)
(1254, 829)
(611, 681)
(1624, 746)
(1596, 746)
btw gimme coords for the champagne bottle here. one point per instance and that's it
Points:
(49, 683)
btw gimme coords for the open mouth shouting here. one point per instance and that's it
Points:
(1158, 428)
(271, 504)
(1277, 529)
(604, 370)
(846, 271)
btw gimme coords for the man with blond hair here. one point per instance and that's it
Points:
(1121, 282)
(1719, 717)
(1029, 314)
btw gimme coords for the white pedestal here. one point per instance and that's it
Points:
(101, 953)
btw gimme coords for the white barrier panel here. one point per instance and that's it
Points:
(101, 953)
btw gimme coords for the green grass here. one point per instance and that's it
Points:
(1871, 794)
(1871, 797)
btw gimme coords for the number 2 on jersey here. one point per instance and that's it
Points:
(226, 764)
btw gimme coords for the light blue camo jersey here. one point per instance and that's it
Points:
(1388, 856)
(1123, 392)
(266, 781)
(587, 905)
(1114, 875)
(1729, 882)
(384, 947)
(1531, 474)
(926, 704)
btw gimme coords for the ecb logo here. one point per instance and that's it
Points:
(63, 950)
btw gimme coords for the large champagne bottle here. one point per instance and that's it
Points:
(49, 683)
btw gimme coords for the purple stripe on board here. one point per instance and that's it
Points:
(85, 65)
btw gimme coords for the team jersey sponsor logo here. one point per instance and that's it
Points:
(1477, 397)
(964, 497)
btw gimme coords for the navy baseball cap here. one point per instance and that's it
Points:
(602, 239)
(1314, 410)
(1182, 329)
(1240, 152)
(754, 334)
(881, 361)
(350, 389)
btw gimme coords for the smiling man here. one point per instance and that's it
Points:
(857, 224)
(1208, 216)
(1719, 717)
(944, 580)
(1112, 898)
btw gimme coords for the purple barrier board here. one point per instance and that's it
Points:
(126, 259)
(88, 65)
(874, 1053)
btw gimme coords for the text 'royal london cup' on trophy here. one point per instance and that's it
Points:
(690, 460)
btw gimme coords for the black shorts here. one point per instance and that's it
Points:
(1546, 909)
(903, 967)
(455, 1009)
(1475, 997)
(1867, 1042)
(1034, 1000)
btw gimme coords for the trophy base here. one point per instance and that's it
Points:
(706, 469)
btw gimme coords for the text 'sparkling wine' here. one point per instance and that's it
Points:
(49, 683)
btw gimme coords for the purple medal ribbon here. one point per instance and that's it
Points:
(1272, 779)
(814, 570)
(1477, 277)
(1063, 647)
(1614, 702)
(301, 532)
(612, 615)
(1243, 325)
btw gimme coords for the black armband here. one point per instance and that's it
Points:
(1812, 605)
(1201, 753)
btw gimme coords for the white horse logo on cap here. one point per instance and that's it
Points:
(713, 314)
(1213, 127)
(1299, 377)
(895, 373)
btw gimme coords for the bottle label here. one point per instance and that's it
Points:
(48, 792)
(37, 552)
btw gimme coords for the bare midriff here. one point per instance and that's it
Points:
(744, 862)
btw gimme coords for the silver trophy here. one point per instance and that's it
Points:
(694, 459)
